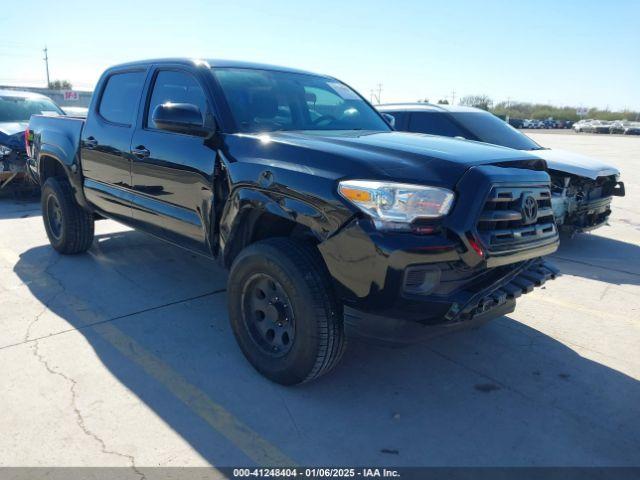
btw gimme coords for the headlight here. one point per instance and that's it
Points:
(4, 151)
(395, 205)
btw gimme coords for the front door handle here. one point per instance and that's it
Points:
(141, 152)
(91, 143)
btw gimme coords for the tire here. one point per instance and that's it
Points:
(68, 226)
(297, 289)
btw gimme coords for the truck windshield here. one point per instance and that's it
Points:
(490, 129)
(267, 101)
(20, 109)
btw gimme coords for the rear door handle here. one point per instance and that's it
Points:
(141, 152)
(91, 143)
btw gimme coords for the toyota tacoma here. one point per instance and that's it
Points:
(325, 216)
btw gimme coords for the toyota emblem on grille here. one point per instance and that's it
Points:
(529, 209)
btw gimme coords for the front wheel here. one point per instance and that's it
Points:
(283, 311)
(68, 226)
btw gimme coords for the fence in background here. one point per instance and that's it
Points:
(64, 98)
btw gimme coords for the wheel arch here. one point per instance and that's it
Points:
(251, 215)
(51, 164)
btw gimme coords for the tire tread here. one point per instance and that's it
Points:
(327, 310)
(333, 340)
(79, 228)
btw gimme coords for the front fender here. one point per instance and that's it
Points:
(247, 207)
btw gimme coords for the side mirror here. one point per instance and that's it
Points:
(180, 118)
(390, 119)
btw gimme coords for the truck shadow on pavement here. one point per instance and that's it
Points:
(155, 316)
(599, 258)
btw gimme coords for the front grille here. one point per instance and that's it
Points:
(516, 218)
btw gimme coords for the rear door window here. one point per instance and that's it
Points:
(120, 97)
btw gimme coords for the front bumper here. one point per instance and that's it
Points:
(470, 309)
(421, 278)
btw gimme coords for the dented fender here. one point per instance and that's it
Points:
(249, 209)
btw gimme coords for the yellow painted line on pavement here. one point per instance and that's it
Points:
(252, 444)
(215, 415)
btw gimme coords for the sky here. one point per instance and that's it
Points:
(569, 52)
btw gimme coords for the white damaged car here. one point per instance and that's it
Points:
(582, 187)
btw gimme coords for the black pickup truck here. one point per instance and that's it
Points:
(325, 216)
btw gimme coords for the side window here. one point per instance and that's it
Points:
(176, 87)
(401, 119)
(121, 96)
(435, 123)
(322, 102)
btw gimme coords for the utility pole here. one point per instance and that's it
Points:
(453, 97)
(46, 62)
(375, 98)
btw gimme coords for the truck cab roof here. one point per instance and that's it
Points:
(213, 63)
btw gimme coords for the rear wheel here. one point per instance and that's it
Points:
(68, 226)
(283, 312)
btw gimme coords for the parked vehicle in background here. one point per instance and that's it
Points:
(16, 107)
(562, 124)
(516, 122)
(618, 127)
(582, 187)
(323, 214)
(589, 127)
(633, 129)
(580, 125)
(600, 127)
(79, 112)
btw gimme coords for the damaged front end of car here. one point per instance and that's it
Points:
(13, 162)
(581, 204)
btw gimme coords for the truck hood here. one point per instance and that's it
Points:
(10, 128)
(575, 163)
(395, 155)
(12, 134)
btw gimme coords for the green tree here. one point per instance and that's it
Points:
(443, 101)
(478, 101)
(60, 85)
(542, 111)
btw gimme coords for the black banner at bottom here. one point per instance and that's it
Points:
(404, 473)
